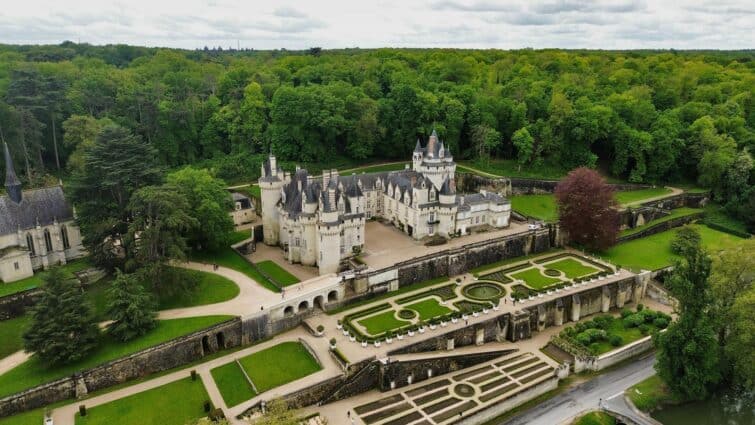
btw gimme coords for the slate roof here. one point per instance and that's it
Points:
(38, 206)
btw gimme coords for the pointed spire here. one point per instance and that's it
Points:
(434, 133)
(418, 147)
(12, 184)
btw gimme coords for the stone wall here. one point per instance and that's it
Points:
(398, 373)
(470, 183)
(661, 227)
(493, 329)
(14, 305)
(510, 402)
(168, 355)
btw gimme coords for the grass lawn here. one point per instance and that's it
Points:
(571, 268)
(595, 418)
(36, 280)
(34, 372)
(650, 394)
(210, 289)
(542, 207)
(510, 168)
(10, 334)
(227, 257)
(429, 308)
(232, 384)
(632, 196)
(171, 404)
(477, 271)
(628, 335)
(534, 279)
(406, 289)
(654, 252)
(379, 168)
(675, 213)
(382, 322)
(278, 273)
(278, 365)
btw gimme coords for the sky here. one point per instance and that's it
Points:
(271, 24)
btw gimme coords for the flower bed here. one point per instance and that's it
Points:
(484, 291)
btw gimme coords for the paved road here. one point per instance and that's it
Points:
(586, 396)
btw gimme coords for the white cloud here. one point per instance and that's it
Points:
(262, 24)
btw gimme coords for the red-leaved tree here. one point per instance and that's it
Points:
(587, 209)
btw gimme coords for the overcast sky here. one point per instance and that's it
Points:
(619, 24)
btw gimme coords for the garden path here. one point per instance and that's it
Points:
(674, 191)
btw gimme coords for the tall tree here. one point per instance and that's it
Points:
(118, 164)
(130, 307)
(587, 209)
(688, 355)
(209, 204)
(525, 146)
(63, 327)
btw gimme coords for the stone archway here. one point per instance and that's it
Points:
(332, 296)
(288, 311)
(220, 338)
(206, 349)
(304, 305)
(320, 302)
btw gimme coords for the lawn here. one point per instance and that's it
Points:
(382, 322)
(628, 335)
(675, 213)
(227, 257)
(278, 365)
(542, 207)
(633, 196)
(534, 279)
(596, 418)
(571, 268)
(428, 309)
(650, 394)
(403, 290)
(232, 384)
(210, 289)
(716, 215)
(36, 280)
(10, 334)
(34, 372)
(654, 252)
(379, 168)
(510, 168)
(172, 404)
(477, 271)
(277, 273)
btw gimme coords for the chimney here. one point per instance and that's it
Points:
(273, 164)
(325, 178)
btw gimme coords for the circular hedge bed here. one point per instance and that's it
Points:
(407, 314)
(464, 390)
(552, 273)
(484, 291)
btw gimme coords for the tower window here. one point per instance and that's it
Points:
(48, 240)
(64, 236)
(30, 244)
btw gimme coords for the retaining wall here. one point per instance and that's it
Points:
(14, 305)
(508, 403)
(168, 355)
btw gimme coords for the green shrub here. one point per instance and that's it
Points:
(640, 307)
(625, 312)
(594, 348)
(644, 329)
(615, 340)
(634, 320)
(660, 323)
(583, 339)
(648, 315)
(603, 321)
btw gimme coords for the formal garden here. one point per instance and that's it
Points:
(606, 332)
(256, 373)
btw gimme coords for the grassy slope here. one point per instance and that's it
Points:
(595, 418)
(654, 252)
(232, 384)
(510, 168)
(632, 196)
(279, 365)
(229, 258)
(171, 404)
(211, 289)
(627, 335)
(715, 214)
(379, 323)
(542, 207)
(34, 371)
(278, 273)
(36, 280)
(650, 394)
(10, 334)
(379, 168)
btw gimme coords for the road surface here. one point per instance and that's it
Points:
(585, 397)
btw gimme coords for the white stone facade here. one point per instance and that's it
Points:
(320, 221)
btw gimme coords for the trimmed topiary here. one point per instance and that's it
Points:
(644, 329)
(615, 340)
(660, 323)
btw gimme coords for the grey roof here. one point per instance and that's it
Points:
(268, 172)
(418, 147)
(236, 196)
(448, 188)
(38, 206)
(480, 198)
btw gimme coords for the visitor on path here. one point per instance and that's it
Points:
(348, 414)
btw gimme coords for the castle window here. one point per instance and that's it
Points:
(48, 241)
(30, 244)
(64, 236)
(16, 266)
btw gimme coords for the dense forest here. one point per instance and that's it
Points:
(641, 116)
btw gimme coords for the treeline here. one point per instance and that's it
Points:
(643, 116)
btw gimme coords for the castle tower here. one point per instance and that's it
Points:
(271, 181)
(12, 184)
